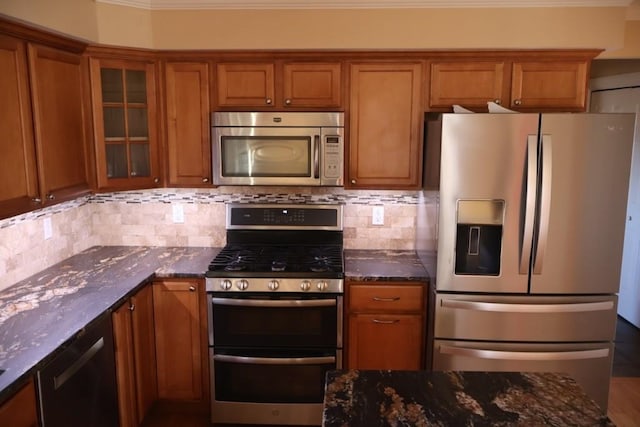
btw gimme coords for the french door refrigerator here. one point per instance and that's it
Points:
(530, 235)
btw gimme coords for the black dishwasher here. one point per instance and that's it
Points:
(78, 386)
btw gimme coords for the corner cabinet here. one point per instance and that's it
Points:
(125, 125)
(188, 125)
(277, 85)
(385, 126)
(181, 339)
(386, 325)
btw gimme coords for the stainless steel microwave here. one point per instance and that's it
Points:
(278, 148)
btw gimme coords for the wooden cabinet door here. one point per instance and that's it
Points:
(188, 128)
(125, 365)
(144, 350)
(246, 84)
(179, 347)
(125, 123)
(312, 84)
(20, 410)
(385, 341)
(386, 116)
(470, 84)
(58, 89)
(18, 174)
(549, 85)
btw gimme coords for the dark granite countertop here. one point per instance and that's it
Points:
(383, 265)
(418, 398)
(40, 313)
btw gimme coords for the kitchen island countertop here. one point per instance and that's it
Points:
(419, 398)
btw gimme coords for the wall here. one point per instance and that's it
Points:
(146, 218)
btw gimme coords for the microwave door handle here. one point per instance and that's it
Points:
(316, 155)
(545, 204)
(530, 203)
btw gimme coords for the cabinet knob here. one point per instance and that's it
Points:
(192, 288)
(50, 196)
(156, 180)
(268, 101)
(287, 102)
(517, 102)
(497, 101)
(205, 179)
(132, 307)
(353, 181)
(36, 200)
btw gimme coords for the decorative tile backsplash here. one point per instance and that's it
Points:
(147, 218)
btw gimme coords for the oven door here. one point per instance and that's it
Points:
(282, 321)
(266, 156)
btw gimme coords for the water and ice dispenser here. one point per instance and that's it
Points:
(479, 237)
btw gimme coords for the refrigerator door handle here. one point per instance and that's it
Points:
(530, 203)
(528, 308)
(545, 204)
(524, 355)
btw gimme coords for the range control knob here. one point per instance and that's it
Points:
(273, 285)
(305, 285)
(242, 284)
(322, 285)
(225, 284)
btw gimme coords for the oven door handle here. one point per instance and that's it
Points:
(275, 360)
(274, 303)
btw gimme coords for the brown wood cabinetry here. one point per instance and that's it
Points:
(181, 339)
(385, 125)
(17, 148)
(134, 340)
(549, 85)
(125, 125)
(188, 125)
(276, 85)
(20, 410)
(386, 325)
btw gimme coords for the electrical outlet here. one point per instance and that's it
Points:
(178, 213)
(377, 217)
(48, 231)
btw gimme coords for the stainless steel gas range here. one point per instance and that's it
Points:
(275, 296)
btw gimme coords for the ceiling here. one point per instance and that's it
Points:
(361, 4)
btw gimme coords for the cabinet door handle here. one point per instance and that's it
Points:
(268, 101)
(385, 322)
(392, 299)
(517, 102)
(287, 102)
(36, 200)
(205, 180)
(51, 196)
(132, 307)
(353, 181)
(192, 288)
(497, 101)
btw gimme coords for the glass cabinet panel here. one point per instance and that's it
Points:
(140, 160)
(117, 161)
(114, 126)
(136, 86)
(138, 127)
(112, 89)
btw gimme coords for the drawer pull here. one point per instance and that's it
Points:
(393, 299)
(386, 322)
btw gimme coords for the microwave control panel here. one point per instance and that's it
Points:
(332, 155)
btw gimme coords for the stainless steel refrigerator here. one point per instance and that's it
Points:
(529, 242)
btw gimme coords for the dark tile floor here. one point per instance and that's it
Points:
(626, 357)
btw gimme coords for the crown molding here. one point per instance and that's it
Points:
(357, 4)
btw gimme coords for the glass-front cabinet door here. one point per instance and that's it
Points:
(124, 103)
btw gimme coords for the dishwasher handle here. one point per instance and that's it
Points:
(59, 380)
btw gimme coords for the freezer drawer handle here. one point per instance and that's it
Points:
(524, 355)
(275, 360)
(274, 303)
(528, 308)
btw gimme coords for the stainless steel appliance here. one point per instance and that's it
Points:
(282, 148)
(78, 386)
(275, 301)
(530, 233)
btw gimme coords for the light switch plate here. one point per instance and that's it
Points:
(178, 213)
(377, 217)
(48, 230)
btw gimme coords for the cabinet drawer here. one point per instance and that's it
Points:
(386, 298)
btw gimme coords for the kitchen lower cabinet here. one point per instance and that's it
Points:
(188, 125)
(181, 339)
(386, 325)
(134, 339)
(21, 408)
(386, 126)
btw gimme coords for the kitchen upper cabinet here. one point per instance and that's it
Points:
(385, 126)
(134, 340)
(386, 325)
(58, 89)
(287, 84)
(468, 83)
(20, 410)
(19, 191)
(125, 125)
(549, 85)
(181, 339)
(188, 126)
